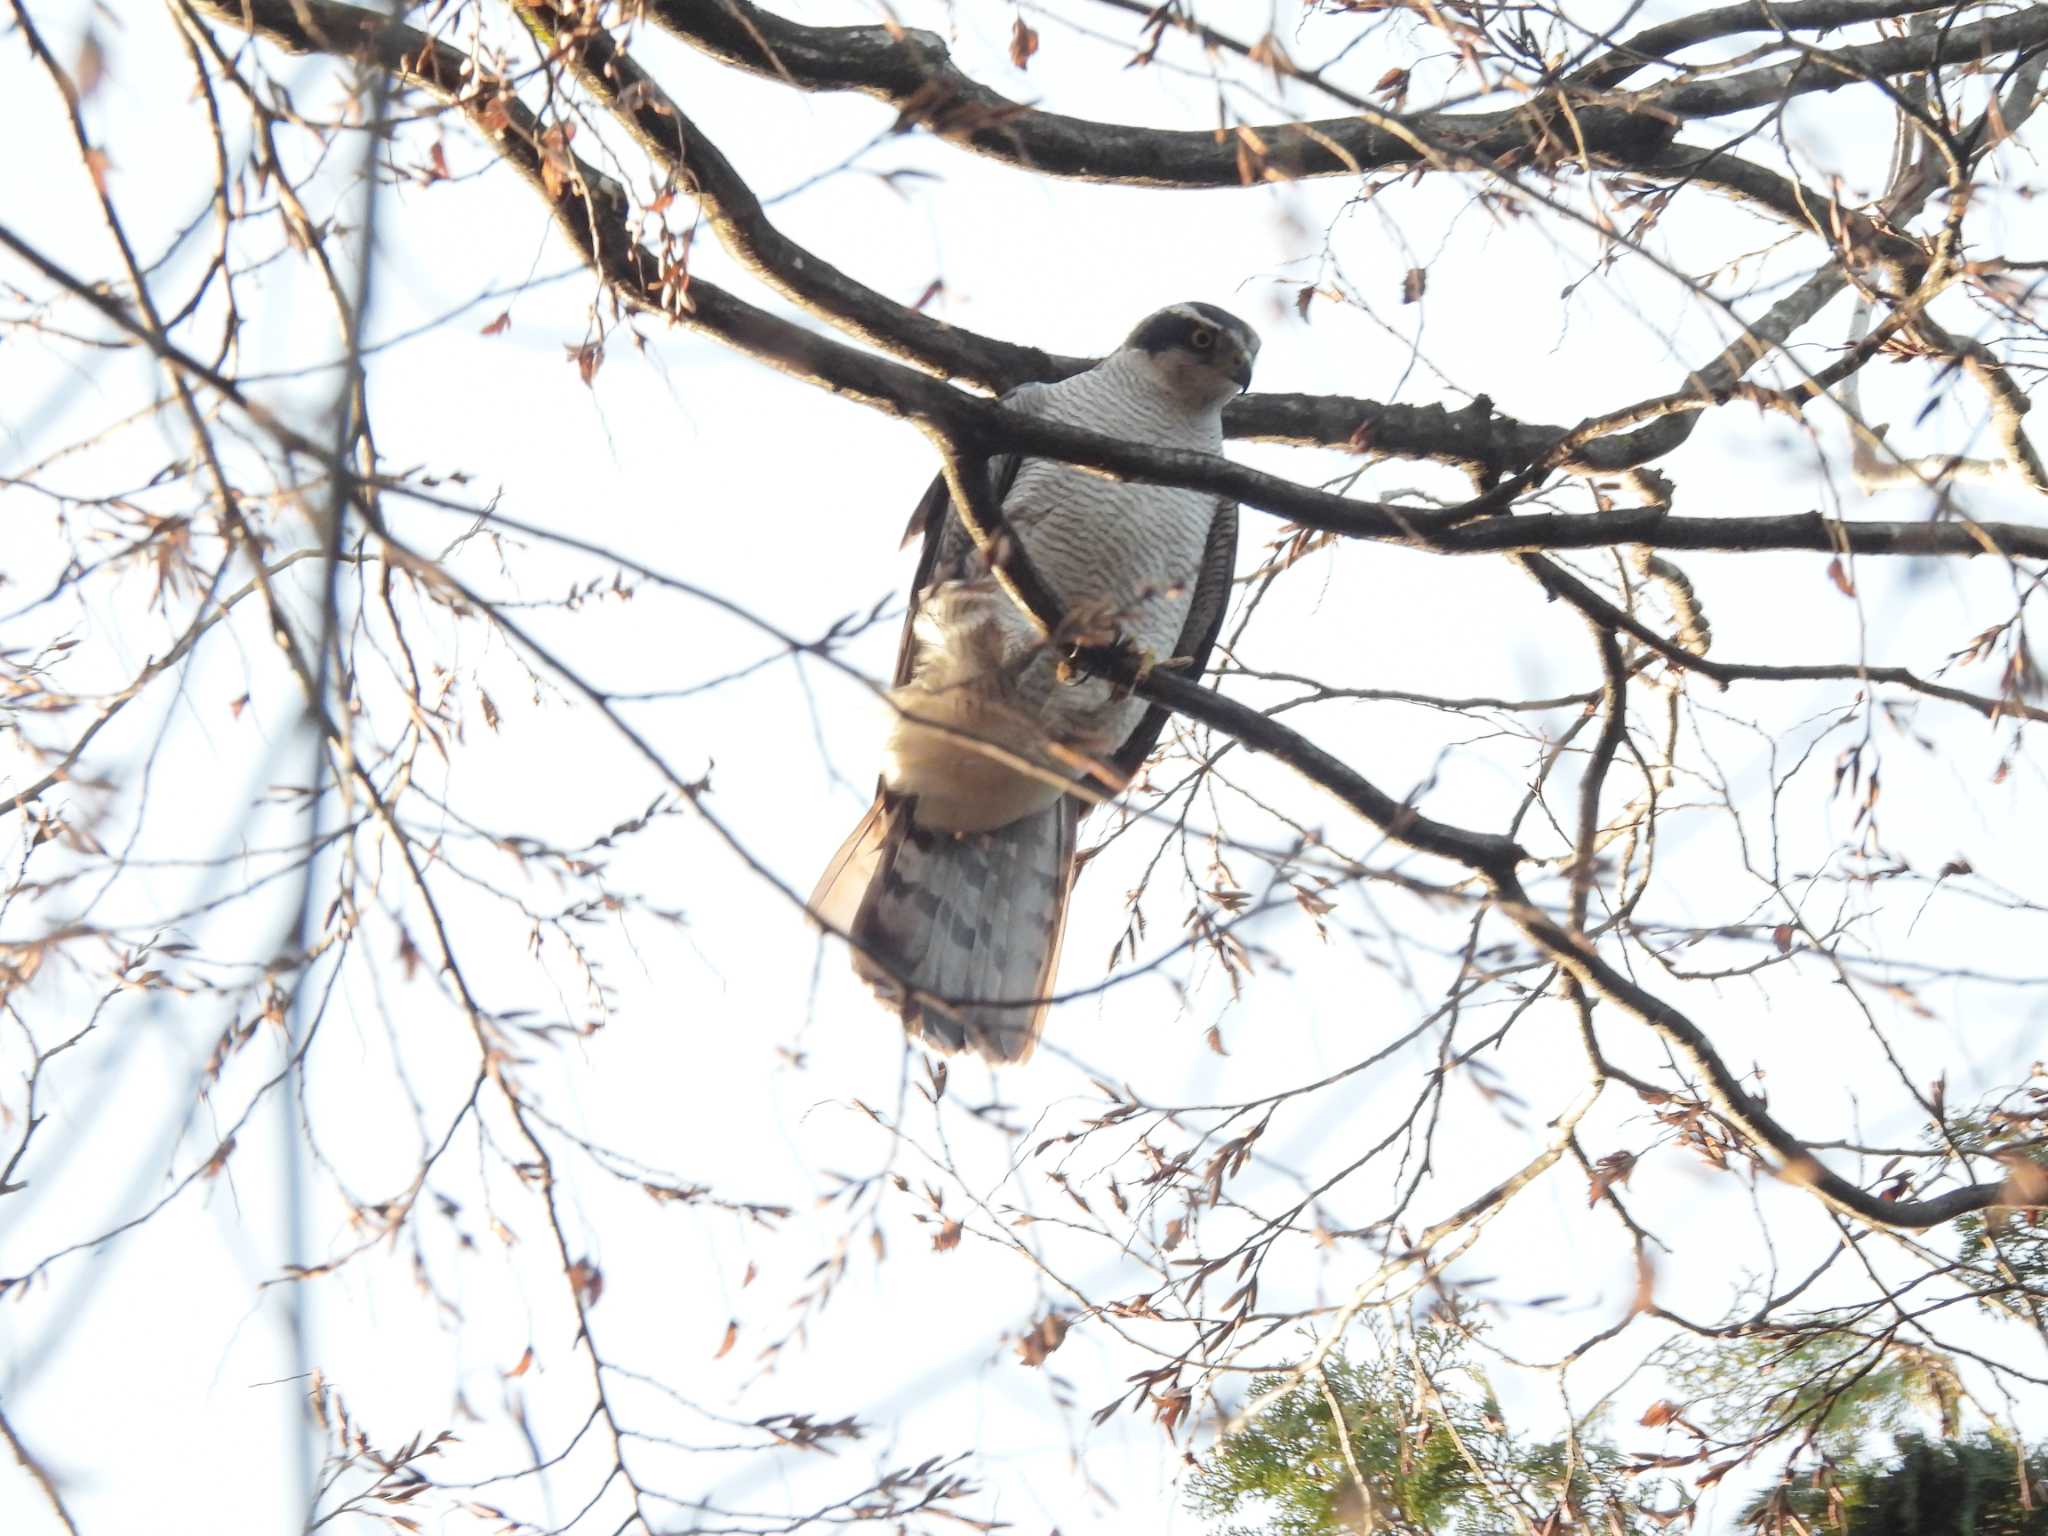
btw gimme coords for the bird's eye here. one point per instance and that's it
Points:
(1201, 340)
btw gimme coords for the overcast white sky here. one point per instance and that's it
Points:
(145, 1372)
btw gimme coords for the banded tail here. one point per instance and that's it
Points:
(958, 931)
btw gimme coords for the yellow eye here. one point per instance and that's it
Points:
(1201, 340)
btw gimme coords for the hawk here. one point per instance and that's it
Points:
(954, 886)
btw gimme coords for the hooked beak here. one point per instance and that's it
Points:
(1241, 372)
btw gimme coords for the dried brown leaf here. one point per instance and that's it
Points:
(1611, 1170)
(1023, 44)
(1167, 1407)
(219, 1160)
(91, 67)
(1042, 1338)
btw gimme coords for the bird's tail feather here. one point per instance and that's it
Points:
(951, 927)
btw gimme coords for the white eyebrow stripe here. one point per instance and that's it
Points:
(1245, 337)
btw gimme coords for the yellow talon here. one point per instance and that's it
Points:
(1148, 663)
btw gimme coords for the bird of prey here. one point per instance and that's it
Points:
(953, 887)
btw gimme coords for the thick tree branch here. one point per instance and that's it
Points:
(912, 71)
(1655, 45)
(592, 212)
(1813, 531)
(1475, 438)
(736, 217)
(1829, 70)
(1867, 240)
(596, 227)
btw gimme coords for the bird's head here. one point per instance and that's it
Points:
(1200, 353)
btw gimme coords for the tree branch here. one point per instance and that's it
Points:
(1655, 45)
(591, 211)
(1821, 71)
(913, 72)
(1495, 860)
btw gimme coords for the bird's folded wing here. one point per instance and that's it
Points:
(1197, 634)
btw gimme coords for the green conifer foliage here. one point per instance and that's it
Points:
(1422, 1451)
